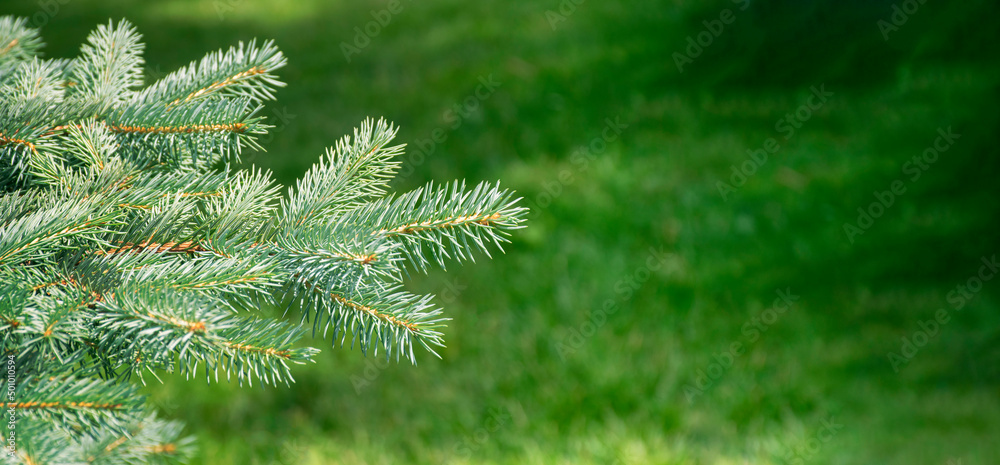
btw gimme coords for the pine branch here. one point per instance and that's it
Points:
(151, 329)
(35, 83)
(31, 236)
(38, 443)
(125, 250)
(53, 328)
(24, 142)
(242, 212)
(148, 440)
(109, 66)
(378, 319)
(450, 222)
(89, 143)
(76, 405)
(239, 72)
(357, 169)
(18, 43)
(149, 190)
(235, 276)
(324, 258)
(195, 134)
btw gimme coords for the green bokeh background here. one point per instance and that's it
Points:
(534, 372)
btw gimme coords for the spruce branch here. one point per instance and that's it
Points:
(37, 83)
(89, 143)
(147, 440)
(18, 43)
(24, 142)
(241, 71)
(154, 329)
(356, 169)
(240, 211)
(127, 246)
(76, 405)
(390, 320)
(194, 134)
(39, 443)
(452, 222)
(30, 237)
(109, 67)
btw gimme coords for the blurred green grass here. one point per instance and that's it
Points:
(619, 396)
